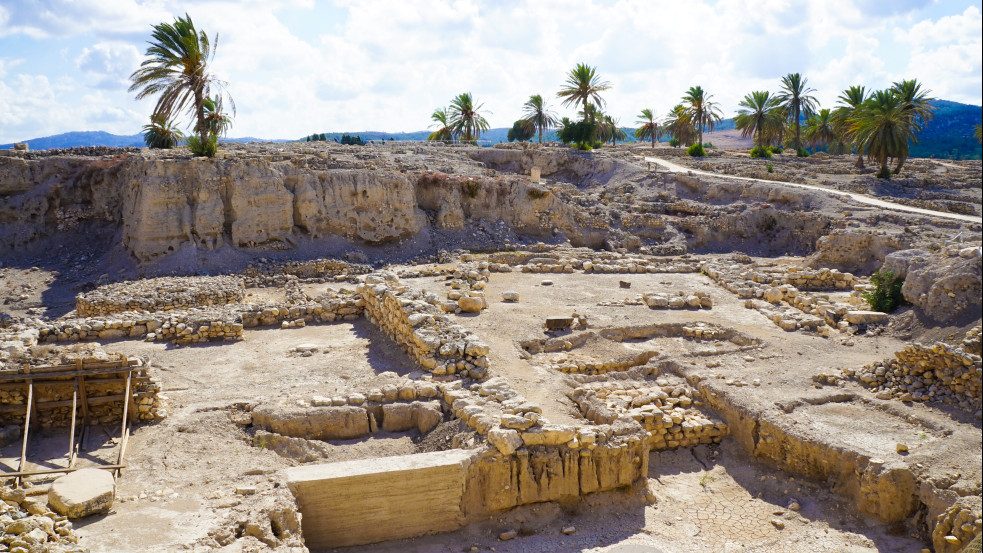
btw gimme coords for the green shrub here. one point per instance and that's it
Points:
(886, 295)
(708, 145)
(199, 149)
(696, 150)
(776, 149)
(758, 151)
(674, 142)
(471, 188)
(770, 168)
(802, 152)
(584, 147)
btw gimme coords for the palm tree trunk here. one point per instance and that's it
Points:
(860, 161)
(901, 160)
(540, 134)
(200, 112)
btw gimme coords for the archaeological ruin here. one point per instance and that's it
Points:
(442, 347)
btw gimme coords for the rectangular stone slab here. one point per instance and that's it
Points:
(373, 500)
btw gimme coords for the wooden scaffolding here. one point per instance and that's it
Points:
(74, 376)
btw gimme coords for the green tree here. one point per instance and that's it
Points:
(177, 71)
(216, 121)
(465, 120)
(703, 113)
(851, 104)
(649, 129)
(758, 116)
(161, 133)
(612, 131)
(521, 130)
(821, 130)
(798, 102)
(916, 106)
(441, 120)
(883, 130)
(584, 87)
(679, 125)
(537, 113)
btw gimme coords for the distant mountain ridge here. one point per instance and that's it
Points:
(949, 135)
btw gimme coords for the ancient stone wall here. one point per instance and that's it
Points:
(160, 294)
(413, 321)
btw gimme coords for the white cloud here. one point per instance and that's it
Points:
(110, 63)
(381, 65)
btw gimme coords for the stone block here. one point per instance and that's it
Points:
(373, 500)
(82, 493)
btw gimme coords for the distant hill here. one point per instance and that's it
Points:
(99, 138)
(948, 136)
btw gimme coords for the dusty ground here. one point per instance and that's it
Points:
(182, 473)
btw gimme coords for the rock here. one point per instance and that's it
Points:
(970, 252)
(506, 536)
(794, 505)
(510, 296)
(246, 490)
(82, 493)
(901, 448)
(516, 422)
(546, 283)
(569, 530)
(505, 440)
(774, 295)
(866, 317)
(558, 323)
(470, 304)
(624, 284)
(777, 523)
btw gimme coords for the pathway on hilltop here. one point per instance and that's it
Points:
(860, 198)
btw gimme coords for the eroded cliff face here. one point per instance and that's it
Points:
(163, 205)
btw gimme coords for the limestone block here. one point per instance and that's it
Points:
(470, 304)
(505, 440)
(373, 500)
(82, 493)
(866, 317)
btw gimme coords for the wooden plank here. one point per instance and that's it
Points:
(68, 381)
(27, 429)
(71, 432)
(10, 377)
(68, 403)
(124, 432)
(19, 474)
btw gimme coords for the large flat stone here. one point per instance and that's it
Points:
(866, 317)
(82, 493)
(374, 500)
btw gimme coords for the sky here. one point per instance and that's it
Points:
(295, 67)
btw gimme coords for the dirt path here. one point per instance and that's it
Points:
(860, 198)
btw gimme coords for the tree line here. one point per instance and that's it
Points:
(878, 125)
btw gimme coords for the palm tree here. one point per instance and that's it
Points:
(915, 103)
(177, 70)
(796, 99)
(758, 116)
(216, 121)
(882, 129)
(583, 86)
(679, 125)
(852, 101)
(978, 132)
(611, 131)
(161, 133)
(702, 112)
(443, 132)
(821, 130)
(465, 121)
(649, 127)
(537, 113)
